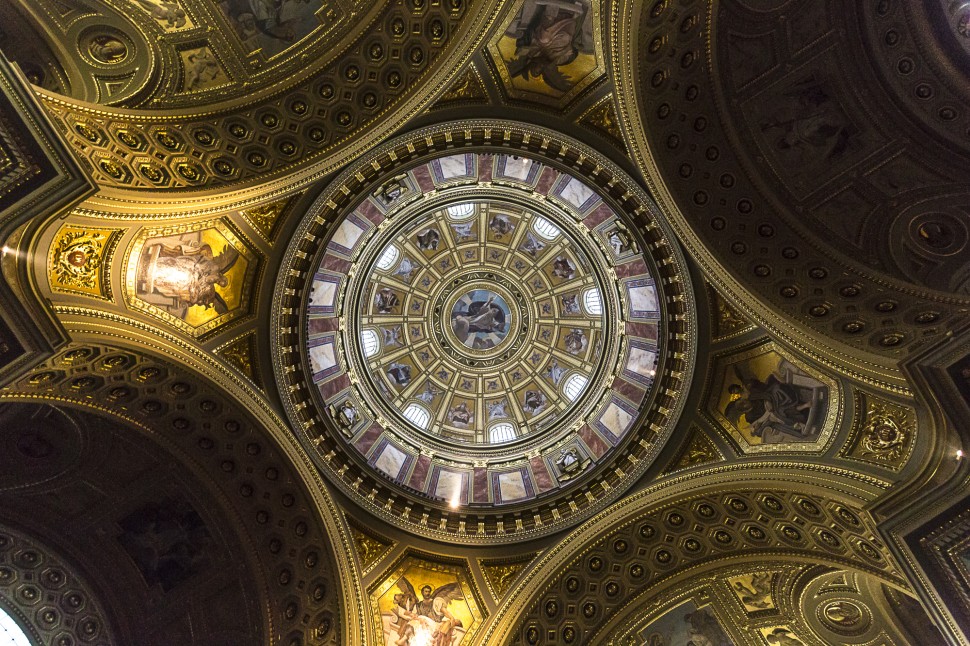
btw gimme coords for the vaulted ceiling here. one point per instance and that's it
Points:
(610, 322)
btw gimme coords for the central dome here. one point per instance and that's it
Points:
(483, 321)
(483, 333)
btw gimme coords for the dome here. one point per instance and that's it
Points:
(483, 330)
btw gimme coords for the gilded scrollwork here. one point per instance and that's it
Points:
(80, 260)
(884, 435)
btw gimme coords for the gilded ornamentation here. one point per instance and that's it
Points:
(844, 616)
(885, 435)
(264, 217)
(754, 591)
(467, 87)
(370, 550)
(570, 464)
(241, 355)
(500, 576)
(699, 450)
(79, 261)
(728, 321)
(602, 116)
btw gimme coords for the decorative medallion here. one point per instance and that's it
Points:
(480, 330)
(80, 259)
(885, 434)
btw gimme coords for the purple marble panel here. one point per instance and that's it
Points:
(366, 441)
(334, 386)
(423, 177)
(543, 480)
(593, 441)
(370, 211)
(635, 267)
(420, 473)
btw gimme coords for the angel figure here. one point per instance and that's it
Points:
(187, 275)
(165, 11)
(428, 617)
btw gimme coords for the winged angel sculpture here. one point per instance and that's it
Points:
(427, 621)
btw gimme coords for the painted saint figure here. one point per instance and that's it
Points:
(188, 275)
(550, 34)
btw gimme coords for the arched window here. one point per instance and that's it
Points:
(459, 211)
(370, 342)
(388, 258)
(11, 634)
(417, 415)
(545, 228)
(574, 385)
(592, 302)
(501, 432)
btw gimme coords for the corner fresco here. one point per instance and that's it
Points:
(271, 26)
(549, 50)
(686, 625)
(426, 604)
(766, 401)
(196, 277)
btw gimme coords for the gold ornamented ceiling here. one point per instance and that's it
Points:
(455, 322)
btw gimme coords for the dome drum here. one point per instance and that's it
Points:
(481, 333)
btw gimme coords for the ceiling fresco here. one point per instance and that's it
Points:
(484, 322)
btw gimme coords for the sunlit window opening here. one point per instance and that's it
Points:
(501, 432)
(545, 228)
(459, 211)
(388, 258)
(417, 415)
(10, 633)
(592, 301)
(574, 385)
(370, 342)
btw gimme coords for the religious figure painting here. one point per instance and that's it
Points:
(766, 399)
(271, 26)
(426, 604)
(197, 279)
(686, 625)
(549, 48)
(480, 319)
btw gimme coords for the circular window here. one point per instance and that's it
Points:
(11, 634)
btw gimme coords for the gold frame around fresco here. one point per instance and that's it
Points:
(722, 360)
(450, 568)
(499, 66)
(232, 236)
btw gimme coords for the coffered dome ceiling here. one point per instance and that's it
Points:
(493, 321)
(482, 331)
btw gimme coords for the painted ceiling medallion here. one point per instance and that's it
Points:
(483, 322)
